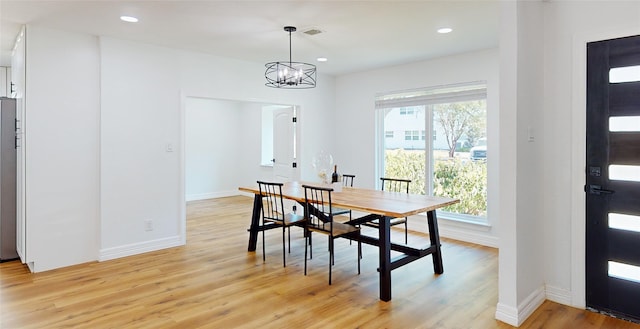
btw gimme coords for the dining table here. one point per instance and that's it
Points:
(377, 205)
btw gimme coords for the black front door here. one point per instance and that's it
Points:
(613, 177)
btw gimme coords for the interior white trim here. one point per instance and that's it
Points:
(558, 295)
(464, 232)
(516, 317)
(139, 248)
(182, 178)
(507, 314)
(210, 195)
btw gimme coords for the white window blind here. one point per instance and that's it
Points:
(435, 95)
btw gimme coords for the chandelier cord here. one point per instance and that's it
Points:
(290, 47)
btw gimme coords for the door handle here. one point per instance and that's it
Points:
(598, 190)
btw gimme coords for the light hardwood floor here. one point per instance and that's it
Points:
(213, 282)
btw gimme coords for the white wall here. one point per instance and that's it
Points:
(223, 78)
(507, 308)
(521, 260)
(529, 263)
(223, 145)
(212, 128)
(62, 148)
(5, 81)
(140, 117)
(146, 87)
(249, 157)
(93, 174)
(355, 121)
(547, 227)
(101, 114)
(568, 26)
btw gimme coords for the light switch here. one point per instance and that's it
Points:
(169, 147)
(531, 138)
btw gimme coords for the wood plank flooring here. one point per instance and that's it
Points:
(213, 282)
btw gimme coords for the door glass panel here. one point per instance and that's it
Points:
(624, 222)
(624, 271)
(624, 124)
(624, 74)
(626, 173)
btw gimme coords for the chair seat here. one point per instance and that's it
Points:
(338, 228)
(293, 219)
(274, 215)
(289, 219)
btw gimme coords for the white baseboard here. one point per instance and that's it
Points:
(210, 195)
(481, 238)
(472, 233)
(507, 314)
(559, 295)
(139, 248)
(516, 317)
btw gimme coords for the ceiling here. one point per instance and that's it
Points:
(356, 35)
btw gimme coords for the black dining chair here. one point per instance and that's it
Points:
(395, 185)
(319, 219)
(347, 181)
(273, 214)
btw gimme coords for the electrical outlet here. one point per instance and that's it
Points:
(148, 225)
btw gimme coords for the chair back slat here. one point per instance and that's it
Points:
(395, 184)
(318, 206)
(347, 180)
(318, 214)
(272, 203)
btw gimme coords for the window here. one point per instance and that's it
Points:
(407, 111)
(388, 134)
(444, 149)
(412, 135)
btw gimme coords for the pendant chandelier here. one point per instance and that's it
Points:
(290, 74)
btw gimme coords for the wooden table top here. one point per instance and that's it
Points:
(391, 204)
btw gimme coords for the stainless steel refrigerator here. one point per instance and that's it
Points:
(8, 179)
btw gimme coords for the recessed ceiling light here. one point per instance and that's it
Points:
(129, 19)
(445, 30)
(321, 59)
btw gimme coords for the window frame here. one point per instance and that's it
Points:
(427, 97)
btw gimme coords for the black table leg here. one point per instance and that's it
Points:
(385, 257)
(254, 228)
(435, 241)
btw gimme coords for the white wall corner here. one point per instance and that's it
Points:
(558, 295)
(139, 248)
(515, 317)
